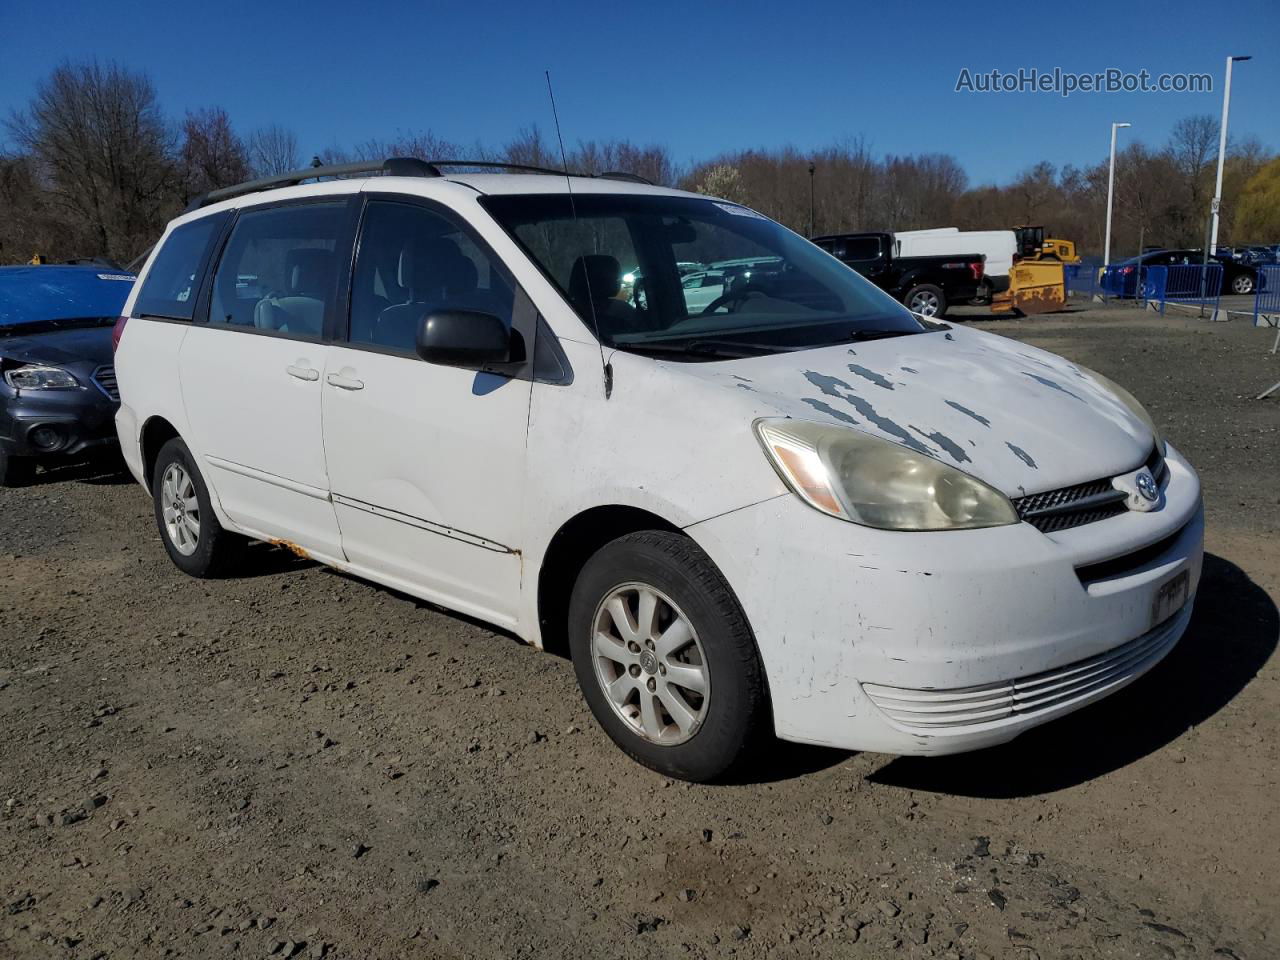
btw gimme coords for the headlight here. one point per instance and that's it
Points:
(40, 378)
(878, 483)
(1130, 401)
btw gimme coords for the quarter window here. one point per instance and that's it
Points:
(173, 282)
(413, 262)
(279, 273)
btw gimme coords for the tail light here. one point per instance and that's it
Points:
(976, 267)
(1126, 270)
(117, 332)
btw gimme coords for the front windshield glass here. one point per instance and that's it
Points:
(695, 279)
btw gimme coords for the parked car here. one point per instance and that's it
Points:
(927, 285)
(702, 289)
(57, 393)
(1237, 277)
(1260, 256)
(802, 510)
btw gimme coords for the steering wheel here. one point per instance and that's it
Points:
(733, 296)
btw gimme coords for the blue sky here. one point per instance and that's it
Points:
(700, 78)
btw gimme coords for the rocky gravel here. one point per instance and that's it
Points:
(293, 763)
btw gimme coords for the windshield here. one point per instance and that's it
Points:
(45, 294)
(688, 278)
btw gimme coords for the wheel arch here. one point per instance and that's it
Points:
(155, 433)
(568, 551)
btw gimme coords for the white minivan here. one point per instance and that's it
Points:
(794, 510)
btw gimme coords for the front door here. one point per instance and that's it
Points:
(426, 462)
(252, 373)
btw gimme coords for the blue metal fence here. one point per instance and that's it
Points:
(1193, 284)
(1266, 302)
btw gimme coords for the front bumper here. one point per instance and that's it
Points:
(876, 640)
(78, 421)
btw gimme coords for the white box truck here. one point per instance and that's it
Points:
(998, 246)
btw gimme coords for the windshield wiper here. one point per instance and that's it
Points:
(54, 323)
(858, 336)
(702, 348)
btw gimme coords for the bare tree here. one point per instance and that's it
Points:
(273, 150)
(102, 150)
(211, 155)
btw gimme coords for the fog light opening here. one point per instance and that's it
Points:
(45, 438)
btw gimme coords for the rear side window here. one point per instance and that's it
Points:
(173, 281)
(861, 248)
(279, 271)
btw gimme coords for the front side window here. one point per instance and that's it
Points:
(173, 281)
(279, 271)
(412, 262)
(625, 262)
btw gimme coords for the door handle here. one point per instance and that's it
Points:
(302, 373)
(343, 382)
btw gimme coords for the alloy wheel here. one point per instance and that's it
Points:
(650, 664)
(925, 304)
(180, 509)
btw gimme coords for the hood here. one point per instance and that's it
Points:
(60, 347)
(1019, 418)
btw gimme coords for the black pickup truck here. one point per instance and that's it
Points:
(927, 285)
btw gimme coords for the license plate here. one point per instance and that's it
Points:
(1170, 597)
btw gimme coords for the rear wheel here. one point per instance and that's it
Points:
(192, 535)
(1242, 283)
(665, 657)
(16, 471)
(926, 300)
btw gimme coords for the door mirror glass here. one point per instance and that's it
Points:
(466, 338)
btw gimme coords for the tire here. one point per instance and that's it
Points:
(716, 727)
(195, 540)
(1242, 284)
(926, 299)
(16, 471)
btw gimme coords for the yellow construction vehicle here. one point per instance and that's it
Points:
(1037, 281)
(1033, 245)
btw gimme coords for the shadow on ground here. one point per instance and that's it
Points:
(1232, 634)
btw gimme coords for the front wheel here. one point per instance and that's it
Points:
(926, 300)
(1242, 284)
(191, 533)
(665, 657)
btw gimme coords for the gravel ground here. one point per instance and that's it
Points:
(295, 763)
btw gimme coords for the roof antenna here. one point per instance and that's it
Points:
(586, 274)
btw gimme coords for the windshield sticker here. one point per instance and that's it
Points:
(738, 211)
(128, 278)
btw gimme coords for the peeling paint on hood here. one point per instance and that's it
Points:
(1019, 418)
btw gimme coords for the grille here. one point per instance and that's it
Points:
(1082, 503)
(1027, 696)
(104, 378)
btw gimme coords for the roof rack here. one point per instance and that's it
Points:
(391, 167)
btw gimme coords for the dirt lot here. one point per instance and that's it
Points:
(295, 762)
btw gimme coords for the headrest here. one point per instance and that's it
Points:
(434, 267)
(595, 276)
(309, 271)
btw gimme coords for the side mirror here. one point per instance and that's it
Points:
(466, 338)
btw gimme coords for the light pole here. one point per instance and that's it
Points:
(811, 169)
(1222, 153)
(1111, 187)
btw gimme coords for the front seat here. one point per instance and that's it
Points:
(309, 272)
(438, 276)
(594, 283)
